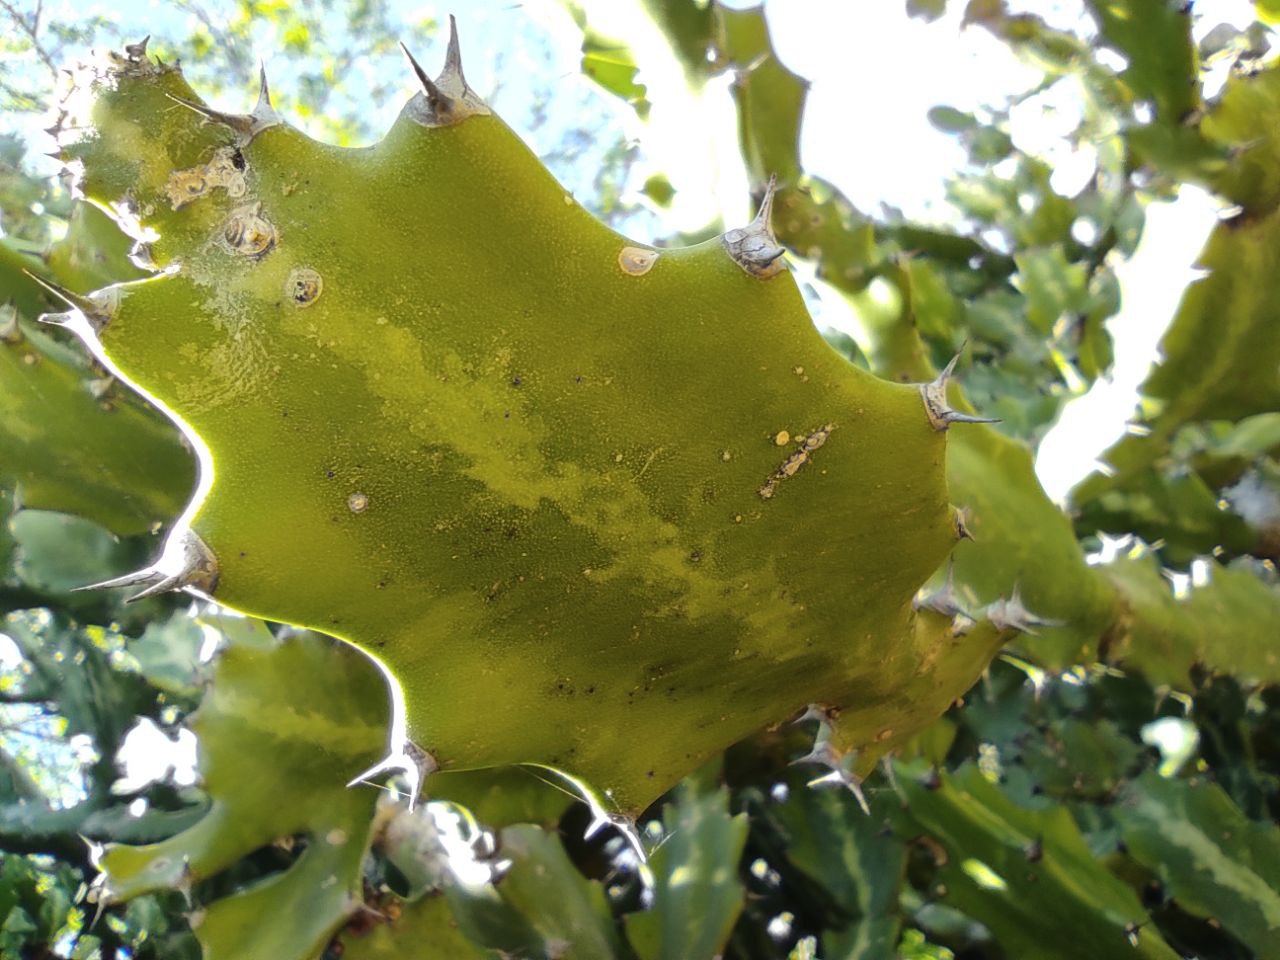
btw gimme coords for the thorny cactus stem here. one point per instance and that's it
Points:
(596, 505)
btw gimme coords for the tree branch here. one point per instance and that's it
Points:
(32, 30)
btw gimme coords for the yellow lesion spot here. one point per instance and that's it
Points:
(303, 286)
(782, 438)
(636, 261)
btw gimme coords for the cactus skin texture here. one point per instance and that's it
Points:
(596, 506)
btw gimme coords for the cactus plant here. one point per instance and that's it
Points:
(610, 513)
(518, 477)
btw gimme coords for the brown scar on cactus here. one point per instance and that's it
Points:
(447, 99)
(934, 394)
(754, 247)
(248, 233)
(186, 186)
(803, 454)
(303, 286)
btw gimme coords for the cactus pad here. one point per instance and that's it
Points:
(596, 504)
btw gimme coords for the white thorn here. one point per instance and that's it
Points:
(754, 247)
(934, 394)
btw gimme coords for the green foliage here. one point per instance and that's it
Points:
(275, 759)
(71, 438)
(849, 856)
(1027, 875)
(1213, 860)
(697, 895)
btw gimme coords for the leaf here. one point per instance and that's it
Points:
(1242, 123)
(541, 907)
(691, 27)
(58, 552)
(1220, 358)
(425, 929)
(1155, 36)
(568, 911)
(93, 253)
(501, 796)
(697, 893)
(951, 120)
(1226, 624)
(610, 64)
(1027, 875)
(168, 655)
(1177, 508)
(659, 189)
(769, 97)
(281, 732)
(855, 860)
(927, 10)
(1053, 287)
(1214, 861)
(109, 458)
(933, 309)
(1021, 539)
(1048, 739)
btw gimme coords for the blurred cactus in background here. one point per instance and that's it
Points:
(491, 565)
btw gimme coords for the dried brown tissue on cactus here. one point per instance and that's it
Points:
(481, 466)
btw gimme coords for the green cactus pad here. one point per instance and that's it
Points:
(1217, 862)
(1027, 875)
(71, 438)
(274, 753)
(597, 505)
(74, 441)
